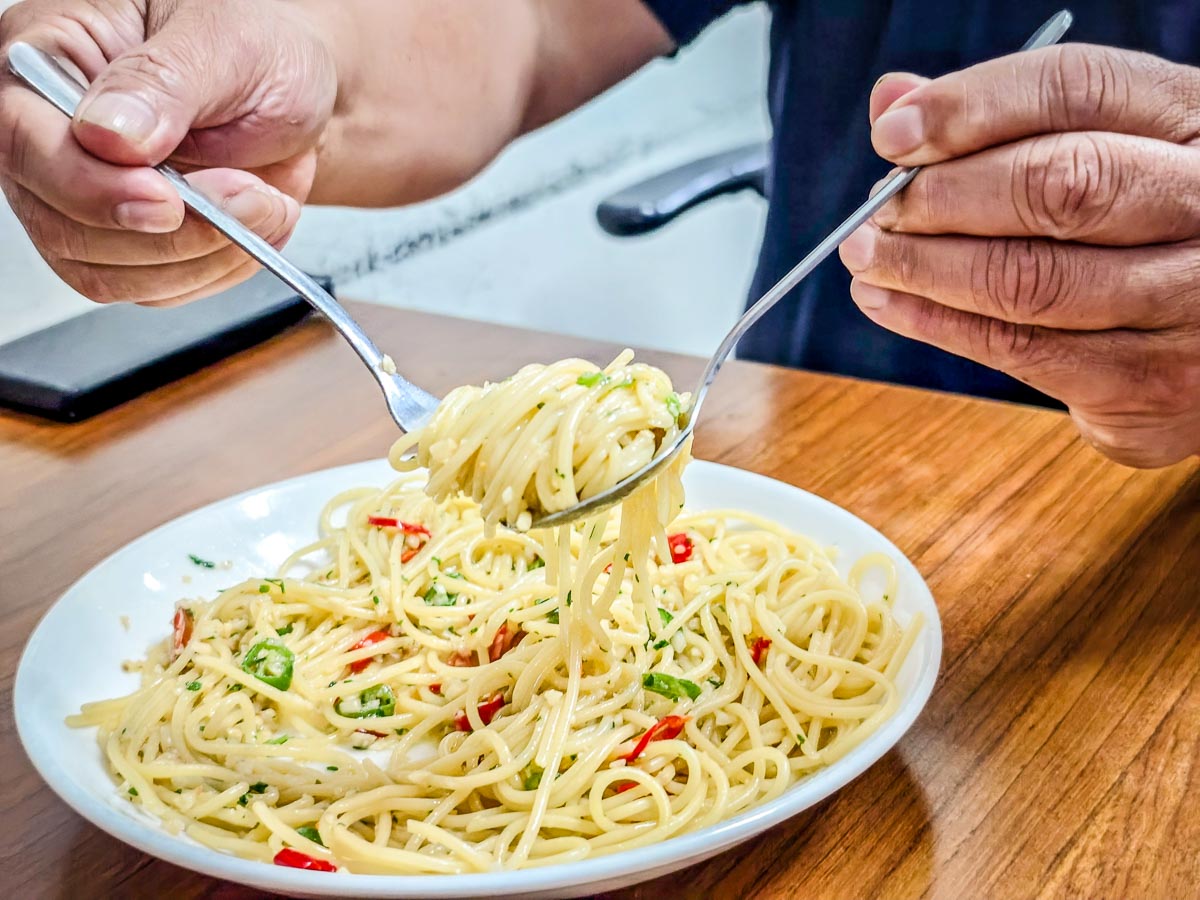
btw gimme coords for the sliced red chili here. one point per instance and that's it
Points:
(462, 659)
(391, 522)
(608, 569)
(378, 734)
(436, 689)
(296, 860)
(758, 649)
(406, 528)
(681, 547)
(664, 729)
(182, 625)
(504, 641)
(623, 786)
(373, 638)
(487, 711)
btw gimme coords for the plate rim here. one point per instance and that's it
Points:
(627, 866)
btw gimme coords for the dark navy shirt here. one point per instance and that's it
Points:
(825, 57)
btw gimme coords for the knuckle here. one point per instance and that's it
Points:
(1014, 348)
(94, 282)
(898, 259)
(154, 67)
(51, 232)
(10, 21)
(1084, 86)
(1066, 186)
(1020, 280)
(14, 144)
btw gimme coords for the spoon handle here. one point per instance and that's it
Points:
(1050, 33)
(47, 77)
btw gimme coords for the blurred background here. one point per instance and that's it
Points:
(520, 244)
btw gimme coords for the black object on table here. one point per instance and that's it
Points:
(111, 354)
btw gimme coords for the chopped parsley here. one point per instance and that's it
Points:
(552, 618)
(658, 645)
(258, 787)
(193, 685)
(437, 595)
(674, 405)
(591, 379)
(282, 739)
(133, 792)
(331, 768)
(264, 588)
(277, 581)
(202, 563)
(799, 740)
(537, 563)
(669, 686)
(568, 598)
(665, 616)
(286, 629)
(374, 599)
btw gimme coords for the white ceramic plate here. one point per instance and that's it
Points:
(76, 651)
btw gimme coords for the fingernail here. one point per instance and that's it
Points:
(859, 249)
(123, 114)
(252, 206)
(867, 296)
(150, 216)
(899, 131)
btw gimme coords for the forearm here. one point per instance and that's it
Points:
(430, 92)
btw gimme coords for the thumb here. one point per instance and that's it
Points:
(890, 88)
(142, 105)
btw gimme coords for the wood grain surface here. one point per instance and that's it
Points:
(1059, 755)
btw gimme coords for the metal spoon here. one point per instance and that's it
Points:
(410, 406)
(1050, 33)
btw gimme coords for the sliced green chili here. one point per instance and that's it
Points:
(670, 686)
(374, 702)
(271, 663)
(437, 595)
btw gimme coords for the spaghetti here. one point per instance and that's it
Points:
(420, 691)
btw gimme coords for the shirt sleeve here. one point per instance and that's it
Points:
(685, 19)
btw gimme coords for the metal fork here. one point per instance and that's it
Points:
(409, 405)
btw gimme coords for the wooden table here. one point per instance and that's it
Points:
(1058, 757)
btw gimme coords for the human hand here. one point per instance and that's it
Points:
(1055, 236)
(236, 92)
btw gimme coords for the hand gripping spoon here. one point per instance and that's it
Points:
(1050, 33)
(410, 406)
